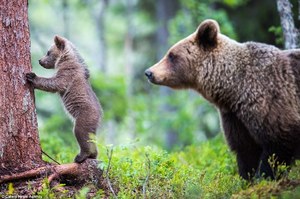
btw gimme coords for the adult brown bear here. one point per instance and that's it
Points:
(254, 86)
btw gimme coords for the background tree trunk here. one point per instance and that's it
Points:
(128, 60)
(290, 33)
(98, 11)
(66, 18)
(128, 46)
(165, 10)
(19, 143)
(100, 24)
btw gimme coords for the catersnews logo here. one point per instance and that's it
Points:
(18, 196)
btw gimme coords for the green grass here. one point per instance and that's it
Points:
(207, 170)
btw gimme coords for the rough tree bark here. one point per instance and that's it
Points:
(19, 143)
(20, 151)
(290, 33)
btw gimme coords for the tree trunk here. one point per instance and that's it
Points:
(128, 60)
(19, 143)
(66, 18)
(128, 46)
(298, 9)
(98, 11)
(165, 10)
(100, 24)
(290, 33)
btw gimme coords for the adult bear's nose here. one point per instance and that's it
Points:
(149, 74)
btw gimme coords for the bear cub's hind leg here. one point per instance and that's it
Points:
(83, 133)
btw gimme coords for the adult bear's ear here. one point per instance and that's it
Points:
(59, 42)
(207, 34)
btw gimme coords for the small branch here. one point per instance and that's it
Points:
(50, 157)
(148, 175)
(109, 155)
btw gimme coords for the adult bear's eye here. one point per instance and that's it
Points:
(171, 57)
(48, 53)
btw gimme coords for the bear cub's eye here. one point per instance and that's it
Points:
(48, 53)
(171, 57)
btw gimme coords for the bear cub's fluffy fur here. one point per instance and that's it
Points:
(71, 83)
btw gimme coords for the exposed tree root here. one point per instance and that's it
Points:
(27, 174)
(65, 169)
(84, 172)
(64, 180)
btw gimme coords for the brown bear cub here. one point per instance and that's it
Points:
(256, 88)
(71, 83)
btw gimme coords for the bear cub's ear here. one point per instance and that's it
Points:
(207, 33)
(59, 42)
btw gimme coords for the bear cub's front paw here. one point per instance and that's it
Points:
(30, 77)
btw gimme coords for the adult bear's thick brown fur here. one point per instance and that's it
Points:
(256, 88)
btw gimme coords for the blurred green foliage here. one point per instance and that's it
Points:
(194, 12)
(277, 30)
(113, 96)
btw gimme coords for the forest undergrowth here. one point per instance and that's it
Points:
(132, 170)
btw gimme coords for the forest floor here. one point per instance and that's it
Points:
(205, 171)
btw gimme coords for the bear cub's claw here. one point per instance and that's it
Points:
(30, 76)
